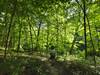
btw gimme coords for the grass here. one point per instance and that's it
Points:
(34, 64)
(37, 63)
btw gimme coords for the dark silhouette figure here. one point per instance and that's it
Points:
(52, 53)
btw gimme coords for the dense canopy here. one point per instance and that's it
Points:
(71, 27)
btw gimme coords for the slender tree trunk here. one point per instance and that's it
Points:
(19, 37)
(31, 37)
(76, 31)
(94, 51)
(47, 43)
(5, 21)
(33, 30)
(57, 28)
(85, 36)
(9, 28)
(97, 37)
(10, 42)
(38, 33)
(73, 43)
(57, 36)
(26, 34)
(5, 30)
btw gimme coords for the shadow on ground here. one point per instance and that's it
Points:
(32, 66)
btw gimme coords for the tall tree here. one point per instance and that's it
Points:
(85, 39)
(10, 25)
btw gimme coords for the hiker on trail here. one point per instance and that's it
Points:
(52, 53)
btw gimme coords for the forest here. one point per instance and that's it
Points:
(49, 37)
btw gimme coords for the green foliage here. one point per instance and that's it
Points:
(28, 25)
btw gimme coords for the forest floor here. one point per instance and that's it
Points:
(39, 65)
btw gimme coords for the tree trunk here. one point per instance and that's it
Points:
(9, 28)
(31, 37)
(85, 36)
